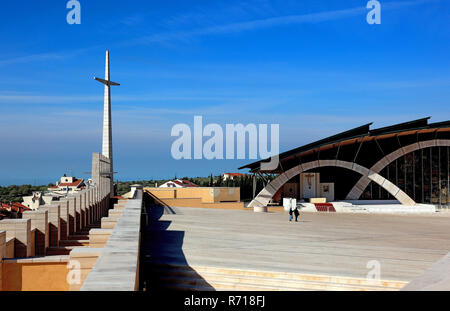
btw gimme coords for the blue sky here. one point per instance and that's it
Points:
(314, 67)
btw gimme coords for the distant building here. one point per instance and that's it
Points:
(37, 199)
(67, 185)
(178, 183)
(231, 176)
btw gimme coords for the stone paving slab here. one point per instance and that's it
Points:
(329, 244)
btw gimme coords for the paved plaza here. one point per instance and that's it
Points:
(320, 243)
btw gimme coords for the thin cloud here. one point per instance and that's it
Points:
(269, 22)
(40, 57)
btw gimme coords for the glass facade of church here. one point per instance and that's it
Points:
(423, 174)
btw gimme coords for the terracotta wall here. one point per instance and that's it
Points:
(34, 276)
(206, 194)
(162, 193)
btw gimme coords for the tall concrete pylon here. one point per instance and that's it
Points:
(107, 125)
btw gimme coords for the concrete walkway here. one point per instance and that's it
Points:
(325, 244)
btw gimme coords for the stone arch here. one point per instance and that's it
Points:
(363, 182)
(263, 198)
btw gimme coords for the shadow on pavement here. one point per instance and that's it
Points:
(162, 261)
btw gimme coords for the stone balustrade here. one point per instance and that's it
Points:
(40, 251)
(39, 222)
(31, 237)
(20, 231)
(54, 213)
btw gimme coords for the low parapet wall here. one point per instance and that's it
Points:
(205, 194)
(25, 244)
(201, 197)
(117, 266)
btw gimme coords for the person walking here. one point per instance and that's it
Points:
(290, 213)
(296, 213)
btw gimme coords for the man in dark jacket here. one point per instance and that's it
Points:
(296, 213)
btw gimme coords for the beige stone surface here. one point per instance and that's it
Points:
(344, 164)
(20, 231)
(109, 222)
(376, 178)
(327, 162)
(292, 172)
(324, 244)
(390, 187)
(99, 237)
(443, 142)
(360, 169)
(427, 144)
(411, 148)
(310, 165)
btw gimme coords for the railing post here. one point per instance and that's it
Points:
(39, 221)
(54, 213)
(78, 211)
(72, 215)
(64, 219)
(20, 230)
(97, 205)
(91, 208)
(83, 209)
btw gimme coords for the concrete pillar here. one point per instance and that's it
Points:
(54, 213)
(2, 255)
(96, 195)
(39, 221)
(72, 215)
(77, 212)
(99, 214)
(90, 207)
(64, 219)
(93, 204)
(83, 208)
(20, 230)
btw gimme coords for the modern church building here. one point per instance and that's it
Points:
(408, 162)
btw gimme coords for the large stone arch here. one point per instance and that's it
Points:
(363, 182)
(263, 198)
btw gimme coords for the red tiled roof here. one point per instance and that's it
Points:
(76, 183)
(184, 183)
(234, 174)
(15, 206)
